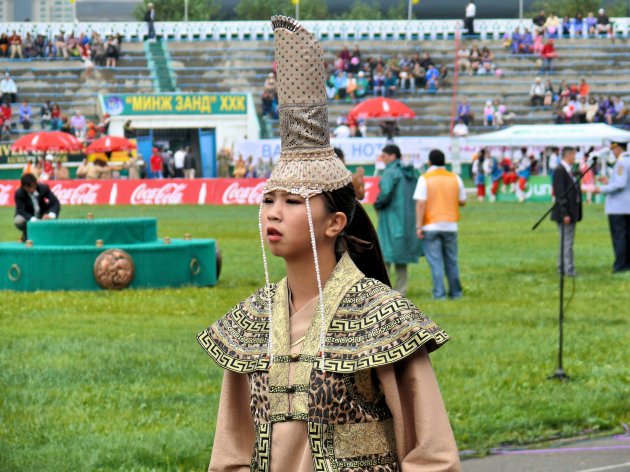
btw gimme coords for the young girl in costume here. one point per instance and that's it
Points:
(478, 170)
(328, 369)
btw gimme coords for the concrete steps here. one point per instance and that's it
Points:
(233, 66)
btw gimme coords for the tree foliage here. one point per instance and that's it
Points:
(173, 10)
(260, 9)
(313, 10)
(362, 10)
(265, 9)
(399, 11)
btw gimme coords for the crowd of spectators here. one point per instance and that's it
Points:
(49, 117)
(352, 77)
(52, 118)
(246, 169)
(540, 41)
(494, 113)
(475, 61)
(574, 103)
(528, 43)
(164, 163)
(51, 168)
(93, 48)
(551, 26)
(522, 43)
(46, 168)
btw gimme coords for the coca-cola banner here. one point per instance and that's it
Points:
(160, 191)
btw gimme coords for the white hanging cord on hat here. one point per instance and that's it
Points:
(267, 284)
(322, 332)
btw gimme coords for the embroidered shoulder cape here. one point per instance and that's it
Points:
(369, 325)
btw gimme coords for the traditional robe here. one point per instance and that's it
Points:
(412, 423)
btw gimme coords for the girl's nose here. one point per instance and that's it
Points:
(273, 212)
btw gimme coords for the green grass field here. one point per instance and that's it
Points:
(116, 380)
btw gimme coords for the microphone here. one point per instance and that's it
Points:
(603, 154)
(592, 159)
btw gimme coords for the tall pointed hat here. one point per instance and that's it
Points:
(308, 165)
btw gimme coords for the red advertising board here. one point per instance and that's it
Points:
(159, 191)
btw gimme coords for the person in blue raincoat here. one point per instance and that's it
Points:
(396, 215)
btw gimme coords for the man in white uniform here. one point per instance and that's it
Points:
(617, 192)
(471, 11)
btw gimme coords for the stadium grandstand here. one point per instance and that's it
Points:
(221, 58)
(485, 81)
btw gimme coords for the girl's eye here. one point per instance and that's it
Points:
(293, 201)
(267, 200)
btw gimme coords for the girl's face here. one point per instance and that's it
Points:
(285, 225)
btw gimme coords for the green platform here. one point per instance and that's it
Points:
(87, 232)
(63, 254)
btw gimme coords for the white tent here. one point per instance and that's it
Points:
(595, 134)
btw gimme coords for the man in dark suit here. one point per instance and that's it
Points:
(34, 202)
(568, 209)
(149, 17)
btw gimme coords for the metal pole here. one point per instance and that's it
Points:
(409, 10)
(455, 148)
(297, 10)
(185, 10)
(520, 9)
(455, 79)
(560, 374)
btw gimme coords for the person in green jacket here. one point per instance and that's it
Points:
(396, 215)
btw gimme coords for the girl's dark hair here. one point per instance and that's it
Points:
(359, 237)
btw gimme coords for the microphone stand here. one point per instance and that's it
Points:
(561, 200)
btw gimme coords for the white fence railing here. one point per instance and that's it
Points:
(261, 30)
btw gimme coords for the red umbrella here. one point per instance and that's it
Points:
(46, 141)
(110, 144)
(380, 108)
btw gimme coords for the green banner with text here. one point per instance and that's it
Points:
(538, 189)
(7, 157)
(175, 104)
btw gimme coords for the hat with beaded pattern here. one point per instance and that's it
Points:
(308, 165)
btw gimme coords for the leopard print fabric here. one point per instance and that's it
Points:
(334, 398)
(259, 400)
(374, 468)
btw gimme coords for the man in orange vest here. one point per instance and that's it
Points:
(439, 194)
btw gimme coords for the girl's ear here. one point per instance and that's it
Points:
(336, 224)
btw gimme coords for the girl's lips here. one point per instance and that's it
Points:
(273, 234)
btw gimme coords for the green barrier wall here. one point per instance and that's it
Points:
(538, 190)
